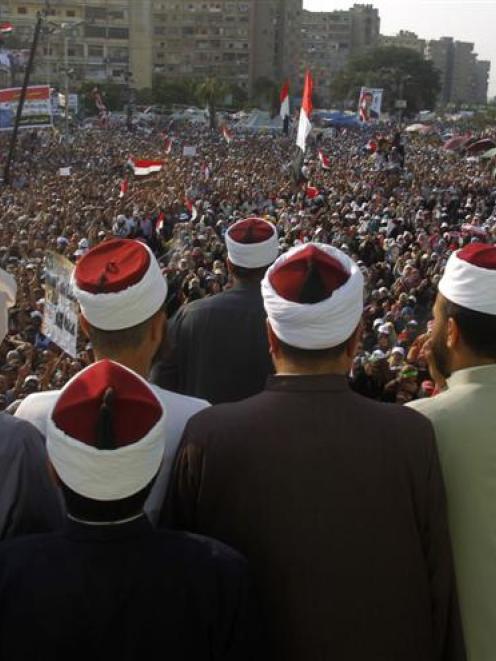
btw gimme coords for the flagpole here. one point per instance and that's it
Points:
(20, 105)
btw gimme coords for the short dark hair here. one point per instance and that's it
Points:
(88, 509)
(107, 342)
(306, 356)
(477, 329)
(242, 273)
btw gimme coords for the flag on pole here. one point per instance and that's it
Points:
(228, 136)
(325, 161)
(124, 187)
(167, 145)
(305, 126)
(143, 167)
(6, 28)
(284, 98)
(159, 225)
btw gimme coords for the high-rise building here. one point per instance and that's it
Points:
(464, 79)
(404, 39)
(365, 28)
(102, 40)
(198, 39)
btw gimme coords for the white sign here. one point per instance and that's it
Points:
(189, 151)
(65, 172)
(60, 321)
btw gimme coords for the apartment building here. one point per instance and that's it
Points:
(104, 40)
(404, 39)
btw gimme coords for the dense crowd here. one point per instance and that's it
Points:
(399, 223)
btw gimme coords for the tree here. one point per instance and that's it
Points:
(167, 92)
(401, 72)
(266, 94)
(212, 91)
(113, 94)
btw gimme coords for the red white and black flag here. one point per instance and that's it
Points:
(325, 162)
(124, 187)
(305, 126)
(167, 145)
(6, 28)
(284, 98)
(143, 167)
(228, 136)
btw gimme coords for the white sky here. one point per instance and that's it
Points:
(465, 20)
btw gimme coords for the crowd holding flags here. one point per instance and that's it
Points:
(144, 167)
(305, 125)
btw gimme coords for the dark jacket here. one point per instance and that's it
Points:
(124, 592)
(338, 503)
(29, 502)
(220, 350)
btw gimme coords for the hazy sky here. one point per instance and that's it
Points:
(465, 20)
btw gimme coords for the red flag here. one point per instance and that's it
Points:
(124, 187)
(228, 136)
(305, 125)
(311, 192)
(284, 98)
(159, 225)
(324, 160)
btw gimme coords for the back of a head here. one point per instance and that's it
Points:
(252, 245)
(313, 297)
(105, 440)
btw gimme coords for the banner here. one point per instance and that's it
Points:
(370, 104)
(60, 321)
(37, 112)
(189, 151)
(57, 101)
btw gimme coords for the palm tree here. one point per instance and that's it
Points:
(211, 91)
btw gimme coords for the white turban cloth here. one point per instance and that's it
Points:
(314, 326)
(468, 285)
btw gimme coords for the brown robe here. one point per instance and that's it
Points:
(338, 503)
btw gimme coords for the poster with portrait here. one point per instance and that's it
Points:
(60, 321)
(370, 104)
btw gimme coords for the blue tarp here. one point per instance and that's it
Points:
(339, 119)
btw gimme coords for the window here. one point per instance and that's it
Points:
(95, 51)
(118, 33)
(93, 31)
(71, 13)
(22, 10)
(96, 13)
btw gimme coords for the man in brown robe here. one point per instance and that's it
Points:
(336, 500)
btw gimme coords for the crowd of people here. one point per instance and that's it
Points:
(298, 296)
(399, 224)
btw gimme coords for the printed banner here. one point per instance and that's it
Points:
(60, 321)
(370, 104)
(37, 111)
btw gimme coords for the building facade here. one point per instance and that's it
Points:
(404, 39)
(97, 40)
(464, 78)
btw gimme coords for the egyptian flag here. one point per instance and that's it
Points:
(284, 98)
(167, 145)
(6, 28)
(304, 127)
(228, 136)
(311, 192)
(325, 162)
(160, 224)
(124, 187)
(143, 167)
(191, 208)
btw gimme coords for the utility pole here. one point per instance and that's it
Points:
(22, 98)
(66, 85)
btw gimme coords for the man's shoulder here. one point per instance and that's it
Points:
(16, 434)
(434, 407)
(236, 296)
(200, 546)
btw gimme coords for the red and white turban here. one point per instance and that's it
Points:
(110, 454)
(252, 243)
(119, 284)
(469, 279)
(334, 311)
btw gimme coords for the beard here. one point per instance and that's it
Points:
(441, 354)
